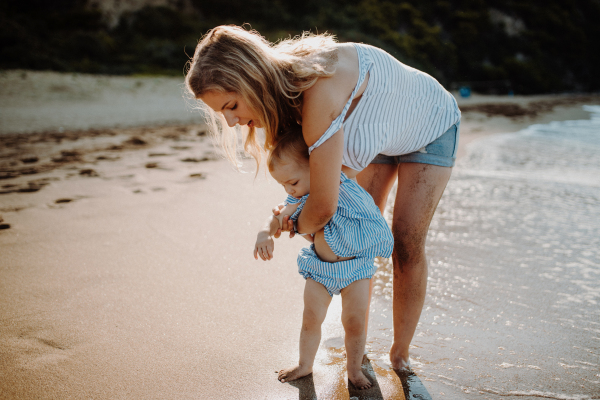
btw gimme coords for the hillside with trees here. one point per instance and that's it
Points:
(497, 46)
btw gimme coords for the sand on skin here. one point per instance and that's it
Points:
(143, 284)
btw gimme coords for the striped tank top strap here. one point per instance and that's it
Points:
(363, 63)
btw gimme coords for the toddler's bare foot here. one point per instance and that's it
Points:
(293, 373)
(359, 380)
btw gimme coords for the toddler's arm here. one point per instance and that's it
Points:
(264, 241)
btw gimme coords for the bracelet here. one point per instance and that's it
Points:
(296, 230)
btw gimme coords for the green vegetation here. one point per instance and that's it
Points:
(496, 45)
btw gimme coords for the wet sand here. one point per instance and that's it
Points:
(127, 268)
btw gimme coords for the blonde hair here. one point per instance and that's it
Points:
(289, 144)
(269, 77)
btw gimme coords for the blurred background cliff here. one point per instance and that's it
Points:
(494, 46)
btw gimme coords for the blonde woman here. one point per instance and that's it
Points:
(362, 112)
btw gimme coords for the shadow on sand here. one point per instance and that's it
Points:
(306, 386)
(412, 386)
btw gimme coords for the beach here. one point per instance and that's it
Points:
(127, 267)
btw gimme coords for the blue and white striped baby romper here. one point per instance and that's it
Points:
(357, 229)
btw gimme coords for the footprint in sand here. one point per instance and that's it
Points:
(195, 160)
(3, 226)
(107, 158)
(41, 348)
(33, 170)
(159, 154)
(67, 156)
(135, 141)
(29, 160)
(9, 188)
(31, 187)
(8, 175)
(88, 172)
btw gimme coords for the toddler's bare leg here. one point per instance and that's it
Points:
(316, 302)
(355, 301)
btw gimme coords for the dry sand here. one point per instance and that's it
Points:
(126, 266)
(44, 101)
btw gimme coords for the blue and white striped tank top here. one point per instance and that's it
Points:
(357, 229)
(401, 110)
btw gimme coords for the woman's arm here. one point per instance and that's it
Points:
(325, 171)
(321, 105)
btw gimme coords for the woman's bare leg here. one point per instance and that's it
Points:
(316, 302)
(420, 187)
(377, 180)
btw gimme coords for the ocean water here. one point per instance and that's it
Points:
(513, 303)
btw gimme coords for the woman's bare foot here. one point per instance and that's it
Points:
(359, 380)
(293, 373)
(399, 360)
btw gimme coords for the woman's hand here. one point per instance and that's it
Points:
(287, 225)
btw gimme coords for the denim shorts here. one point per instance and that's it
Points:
(442, 151)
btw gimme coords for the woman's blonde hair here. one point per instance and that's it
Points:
(269, 77)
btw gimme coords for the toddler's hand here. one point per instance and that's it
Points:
(264, 247)
(277, 209)
(287, 225)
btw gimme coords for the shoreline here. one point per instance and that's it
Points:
(127, 267)
(489, 115)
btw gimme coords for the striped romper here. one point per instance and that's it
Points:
(357, 229)
(401, 111)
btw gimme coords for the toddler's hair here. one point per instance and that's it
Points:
(290, 143)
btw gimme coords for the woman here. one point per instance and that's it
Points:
(362, 112)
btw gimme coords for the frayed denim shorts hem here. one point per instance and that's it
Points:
(441, 152)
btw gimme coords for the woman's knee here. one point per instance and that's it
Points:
(409, 248)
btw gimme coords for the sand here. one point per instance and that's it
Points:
(79, 101)
(126, 250)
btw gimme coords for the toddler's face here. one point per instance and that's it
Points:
(293, 175)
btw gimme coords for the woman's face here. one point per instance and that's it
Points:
(232, 106)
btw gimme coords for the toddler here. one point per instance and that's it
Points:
(340, 260)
